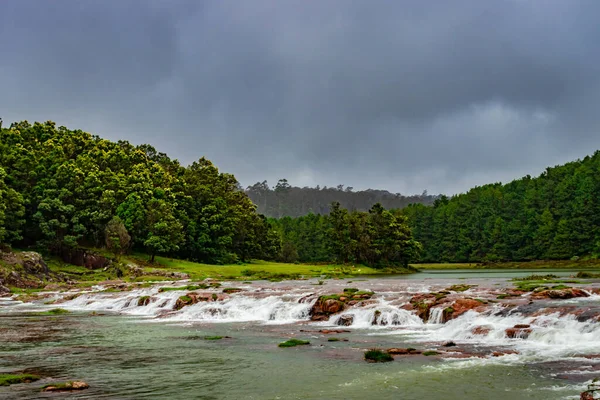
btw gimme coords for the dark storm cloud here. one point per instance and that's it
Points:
(399, 95)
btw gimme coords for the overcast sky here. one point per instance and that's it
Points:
(397, 95)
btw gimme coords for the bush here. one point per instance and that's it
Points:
(376, 355)
(293, 343)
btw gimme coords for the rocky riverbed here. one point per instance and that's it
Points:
(550, 335)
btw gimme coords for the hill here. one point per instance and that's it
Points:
(285, 200)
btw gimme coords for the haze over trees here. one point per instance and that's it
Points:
(284, 200)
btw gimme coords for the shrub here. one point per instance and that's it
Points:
(293, 343)
(376, 355)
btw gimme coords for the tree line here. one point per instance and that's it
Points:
(62, 188)
(284, 200)
(553, 216)
(378, 238)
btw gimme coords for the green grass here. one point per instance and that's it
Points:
(213, 337)
(183, 288)
(376, 355)
(257, 269)
(12, 379)
(294, 343)
(558, 264)
(54, 311)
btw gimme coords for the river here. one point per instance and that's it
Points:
(126, 351)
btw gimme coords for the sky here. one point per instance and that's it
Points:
(405, 96)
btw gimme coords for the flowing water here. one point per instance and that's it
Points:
(126, 351)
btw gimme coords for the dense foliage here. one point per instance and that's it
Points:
(554, 216)
(64, 188)
(286, 200)
(376, 238)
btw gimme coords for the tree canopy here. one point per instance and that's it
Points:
(62, 188)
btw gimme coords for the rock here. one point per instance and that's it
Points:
(449, 344)
(402, 352)
(144, 301)
(4, 291)
(480, 330)
(376, 315)
(330, 331)
(559, 294)
(522, 326)
(85, 258)
(461, 306)
(34, 263)
(67, 386)
(345, 320)
(324, 307)
(586, 396)
(503, 353)
(397, 351)
(188, 299)
(518, 333)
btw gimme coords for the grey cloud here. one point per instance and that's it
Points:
(405, 96)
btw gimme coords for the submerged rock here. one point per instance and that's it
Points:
(65, 387)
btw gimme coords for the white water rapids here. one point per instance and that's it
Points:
(552, 336)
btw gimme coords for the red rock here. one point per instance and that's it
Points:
(329, 331)
(586, 396)
(461, 306)
(395, 351)
(503, 353)
(522, 326)
(560, 294)
(518, 333)
(480, 330)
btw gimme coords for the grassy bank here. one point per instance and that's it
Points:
(538, 264)
(255, 269)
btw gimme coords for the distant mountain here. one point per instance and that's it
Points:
(286, 200)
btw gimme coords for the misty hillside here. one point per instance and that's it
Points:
(285, 200)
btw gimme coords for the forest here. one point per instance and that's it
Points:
(555, 216)
(284, 200)
(61, 189)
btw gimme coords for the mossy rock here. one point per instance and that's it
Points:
(430, 353)
(460, 288)
(13, 379)
(294, 343)
(232, 290)
(143, 301)
(65, 386)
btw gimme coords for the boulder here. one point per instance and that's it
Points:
(481, 330)
(518, 333)
(33, 263)
(461, 306)
(568, 293)
(324, 307)
(345, 320)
